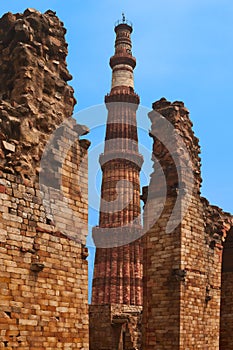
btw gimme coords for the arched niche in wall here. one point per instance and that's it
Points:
(226, 314)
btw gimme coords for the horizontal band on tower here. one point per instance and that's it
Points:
(116, 236)
(135, 158)
(122, 58)
(121, 97)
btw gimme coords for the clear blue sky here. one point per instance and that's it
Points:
(184, 51)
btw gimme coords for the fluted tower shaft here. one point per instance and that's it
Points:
(118, 267)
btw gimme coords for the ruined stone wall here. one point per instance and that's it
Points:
(182, 252)
(162, 271)
(226, 311)
(43, 204)
(218, 228)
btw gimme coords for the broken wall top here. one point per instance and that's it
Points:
(34, 95)
(217, 222)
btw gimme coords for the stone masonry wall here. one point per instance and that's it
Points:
(218, 227)
(226, 325)
(34, 95)
(161, 260)
(182, 266)
(43, 281)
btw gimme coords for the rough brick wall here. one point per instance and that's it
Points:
(182, 267)
(161, 261)
(226, 311)
(217, 231)
(43, 282)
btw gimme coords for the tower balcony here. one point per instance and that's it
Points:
(123, 24)
(123, 156)
(123, 58)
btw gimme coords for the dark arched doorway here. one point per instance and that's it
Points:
(226, 313)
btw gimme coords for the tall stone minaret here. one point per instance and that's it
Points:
(118, 261)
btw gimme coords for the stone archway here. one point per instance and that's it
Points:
(226, 310)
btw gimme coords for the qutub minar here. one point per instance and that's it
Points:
(161, 290)
(117, 283)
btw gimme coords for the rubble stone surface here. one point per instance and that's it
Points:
(43, 281)
(186, 283)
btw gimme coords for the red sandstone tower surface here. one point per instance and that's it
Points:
(118, 276)
(118, 261)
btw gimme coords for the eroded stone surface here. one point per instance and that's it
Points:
(43, 282)
(182, 268)
(34, 95)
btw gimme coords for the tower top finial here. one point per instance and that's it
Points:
(123, 21)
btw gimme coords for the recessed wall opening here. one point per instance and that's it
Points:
(226, 313)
